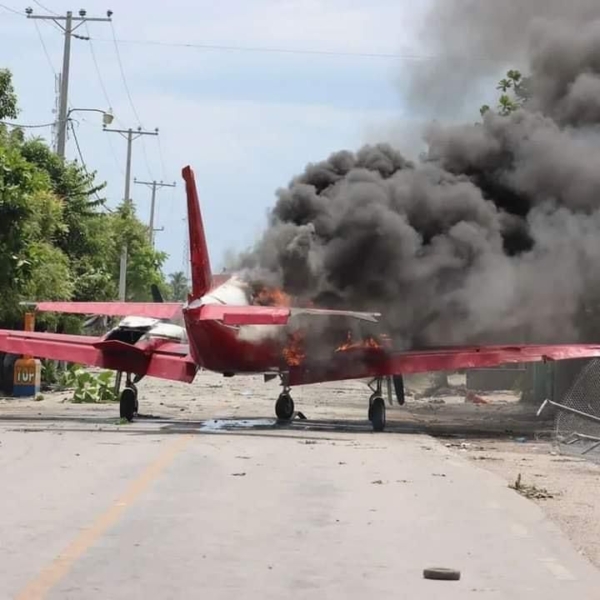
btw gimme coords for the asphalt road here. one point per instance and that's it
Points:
(155, 510)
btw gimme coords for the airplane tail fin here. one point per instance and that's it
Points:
(200, 262)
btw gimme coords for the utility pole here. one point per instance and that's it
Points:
(68, 28)
(153, 185)
(130, 135)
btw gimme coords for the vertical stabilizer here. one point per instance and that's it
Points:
(200, 263)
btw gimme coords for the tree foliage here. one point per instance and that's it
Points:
(8, 98)
(179, 286)
(514, 93)
(57, 242)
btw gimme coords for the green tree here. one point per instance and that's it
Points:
(8, 97)
(56, 240)
(30, 221)
(144, 263)
(179, 286)
(514, 88)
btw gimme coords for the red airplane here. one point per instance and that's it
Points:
(227, 330)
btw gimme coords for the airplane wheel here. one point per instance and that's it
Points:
(284, 407)
(377, 414)
(371, 405)
(127, 402)
(137, 404)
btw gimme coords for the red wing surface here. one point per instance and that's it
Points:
(156, 310)
(156, 358)
(377, 362)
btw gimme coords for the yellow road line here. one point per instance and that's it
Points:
(61, 565)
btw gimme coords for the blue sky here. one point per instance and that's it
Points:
(247, 122)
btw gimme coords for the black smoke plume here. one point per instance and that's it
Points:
(493, 236)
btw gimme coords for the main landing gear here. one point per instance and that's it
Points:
(377, 406)
(284, 407)
(128, 397)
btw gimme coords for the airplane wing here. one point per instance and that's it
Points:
(156, 310)
(375, 362)
(271, 315)
(156, 358)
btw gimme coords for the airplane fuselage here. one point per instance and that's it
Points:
(232, 349)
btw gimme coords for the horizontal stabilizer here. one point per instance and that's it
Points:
(154, 310)
(271, 315)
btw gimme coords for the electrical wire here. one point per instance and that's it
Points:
(133, 108)
(279, 50)
(163, 170)
(93, 53)
(123, 74)
(12, 10)
(146, 158)
(44, 48)
(114, 155)
(83, 161)
(27, 126)
(45, 8)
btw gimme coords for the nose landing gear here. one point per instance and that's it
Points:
(284, 407)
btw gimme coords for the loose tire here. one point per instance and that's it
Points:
(441, 574)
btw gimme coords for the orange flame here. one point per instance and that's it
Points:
(272, 297)
(294, 352)
(368, 343)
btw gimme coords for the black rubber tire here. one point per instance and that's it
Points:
(137, 404)
(398, 382)
(441, 574)
(127, 404)
(284, 407)
(377, 414)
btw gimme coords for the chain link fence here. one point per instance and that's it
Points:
(579, 434)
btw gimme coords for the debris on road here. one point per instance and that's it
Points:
(530, 491)
(441, 574)
(474, 398)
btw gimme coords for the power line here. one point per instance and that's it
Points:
(27, 126)
(146, 159)
(278, 50)
(44, 48)
(123, 74)
(44, 7)
(98, 68)
(131, 103)
(71, 23)
(12, 10)
(114, 155)
(83, 160)
(163, 169)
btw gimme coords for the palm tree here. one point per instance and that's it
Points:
(180, 286)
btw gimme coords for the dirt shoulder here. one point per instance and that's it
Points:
(566, 488)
